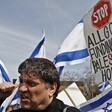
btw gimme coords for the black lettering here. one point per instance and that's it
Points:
(100, 39)
(105, 60)
(109, 73)
(101, 63)
(90, 42)
(106, 74)
(96, 66)
(108, 45)
(94, 38)
(106, 32)
(99, 50)
(92, 53)
(102, 49)
(110, 28)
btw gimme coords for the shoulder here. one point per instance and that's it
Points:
(72, 109)
(62, 106)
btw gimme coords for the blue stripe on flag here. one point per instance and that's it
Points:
(37, 49)
(105, 85)
(4, 74)
(60, 70)
(81, 21)
(69, 56)
(1, 109)
(96, 103)
(16, 96)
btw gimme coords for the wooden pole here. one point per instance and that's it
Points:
(70, 98)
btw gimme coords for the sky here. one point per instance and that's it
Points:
(22, 22)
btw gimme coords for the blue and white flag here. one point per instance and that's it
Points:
(14, 97)
(104, 86)
(100, 103)
(73, 50)
(3, 73)
(39, 51)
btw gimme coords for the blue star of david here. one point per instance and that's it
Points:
(105, 108)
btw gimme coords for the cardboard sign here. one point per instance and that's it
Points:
(98, 35)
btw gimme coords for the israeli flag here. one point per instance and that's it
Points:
(14, 98)
(39, 51)
(73, 50)
(100, 103)
(4, 73)
(104, 86)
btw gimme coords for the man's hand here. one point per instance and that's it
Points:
(6, 88)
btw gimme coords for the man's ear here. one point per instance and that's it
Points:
(53, 88)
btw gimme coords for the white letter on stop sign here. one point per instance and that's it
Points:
(100, 13)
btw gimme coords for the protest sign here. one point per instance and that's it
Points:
(98, 35)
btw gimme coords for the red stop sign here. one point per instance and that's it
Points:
(101, 13)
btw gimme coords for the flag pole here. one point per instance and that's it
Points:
(69, 97)
(43, 32)
(91, 79)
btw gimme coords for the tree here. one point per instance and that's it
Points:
(85, 80)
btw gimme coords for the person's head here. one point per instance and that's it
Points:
(39, 83)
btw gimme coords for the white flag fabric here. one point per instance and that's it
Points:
(101, 103)
(104, 86)
(73, 50)
(39, 51)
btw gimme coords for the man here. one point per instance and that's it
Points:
(38, 88)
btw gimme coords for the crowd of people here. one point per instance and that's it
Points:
(38, 88)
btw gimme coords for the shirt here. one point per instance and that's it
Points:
(55, 106)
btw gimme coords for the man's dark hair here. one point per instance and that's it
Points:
(41, 68)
